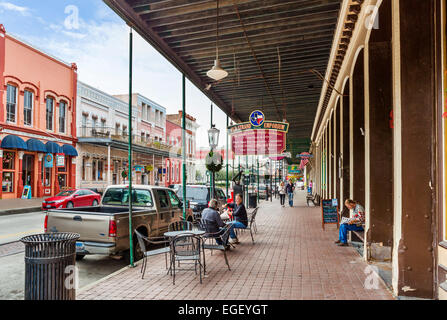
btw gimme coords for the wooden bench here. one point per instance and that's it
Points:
(315, 199)
(358, 234)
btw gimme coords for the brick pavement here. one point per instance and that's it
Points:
(292, 259)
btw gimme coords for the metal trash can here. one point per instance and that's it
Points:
(49, 266)
(253, 200)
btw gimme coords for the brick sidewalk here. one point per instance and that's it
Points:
(292, 258)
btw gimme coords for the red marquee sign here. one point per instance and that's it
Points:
(266, 139)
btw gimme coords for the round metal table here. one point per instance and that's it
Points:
(172, 234)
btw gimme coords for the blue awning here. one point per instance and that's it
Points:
(69, 150)
(52, 147)
(13, 142)
(36, 145)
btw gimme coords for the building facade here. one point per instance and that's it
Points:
(380, 136)
(190, 137)
(37, 120)
(104, 137)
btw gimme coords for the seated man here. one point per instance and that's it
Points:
(212, 220)
(352, 224)
(240, 217)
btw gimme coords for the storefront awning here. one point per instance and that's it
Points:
(36, 145)
(13, 142)
(52, 147)
(69, 150)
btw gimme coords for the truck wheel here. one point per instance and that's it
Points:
(70, 205)
(137, 253)
(79, 257)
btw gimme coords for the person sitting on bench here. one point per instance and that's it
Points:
(353, 224)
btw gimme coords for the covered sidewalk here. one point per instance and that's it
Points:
(292, 259)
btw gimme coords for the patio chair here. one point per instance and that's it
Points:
(186, 253)
(215, 241)
(180, 225)
(148, 253)
(251, 224)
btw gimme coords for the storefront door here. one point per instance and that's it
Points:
(28, 171)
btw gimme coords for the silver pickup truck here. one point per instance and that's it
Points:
(105, 229)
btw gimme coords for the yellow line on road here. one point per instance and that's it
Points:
(20, 233)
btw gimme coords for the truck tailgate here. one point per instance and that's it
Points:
(91, 227)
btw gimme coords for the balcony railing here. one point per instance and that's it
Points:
(108, 132)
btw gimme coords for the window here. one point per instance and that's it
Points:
(8, 172)
(94, 170)
(120, 196)
(175, 202)
(83, 169)
(94, 122)
(62, 116)
(11, 103)
(103, 125)
(28, 108)
(8, 182)
(8, 160)
(50, 113)
(100, 170)
(84, 125)
(46, 176)
(143, 111)
(117, 129)
(163, 198)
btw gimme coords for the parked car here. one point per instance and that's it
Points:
(105, 229)
(71, 199)
(199, 197)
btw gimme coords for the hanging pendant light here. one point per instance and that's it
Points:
(217, 72)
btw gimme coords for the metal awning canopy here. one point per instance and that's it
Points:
(275, 51)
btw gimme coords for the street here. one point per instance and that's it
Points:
(12, 267)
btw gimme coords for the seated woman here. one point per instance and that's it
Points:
(240, 217)
(352, 224)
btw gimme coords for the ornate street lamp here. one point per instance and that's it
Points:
(213, 137)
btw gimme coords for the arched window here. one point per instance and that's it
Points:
(62, 116)
(11, 103)
(49, 113)
(28, 108)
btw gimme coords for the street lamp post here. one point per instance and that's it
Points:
(213, 139)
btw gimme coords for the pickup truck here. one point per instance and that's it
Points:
(104, 229)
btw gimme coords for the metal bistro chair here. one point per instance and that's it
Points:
(215, 241)
(180, 225)
(182, 253)
(251, 224)
(148, 253)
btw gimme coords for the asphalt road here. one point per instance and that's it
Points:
(12, 265)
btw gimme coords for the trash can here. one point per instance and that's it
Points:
(50, 266)
(253, 200)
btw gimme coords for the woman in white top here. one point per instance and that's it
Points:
(282, 193)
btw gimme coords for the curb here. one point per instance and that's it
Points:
(10, 212)
(105, 278)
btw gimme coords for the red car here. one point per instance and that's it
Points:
(72, 198)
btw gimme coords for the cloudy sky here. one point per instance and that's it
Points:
(90, 34)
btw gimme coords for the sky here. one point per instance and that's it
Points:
(90, 34)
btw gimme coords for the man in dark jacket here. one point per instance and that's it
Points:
(289, 190)
(212, 219)
(240, 217)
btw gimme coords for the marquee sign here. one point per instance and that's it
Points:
(259, 136)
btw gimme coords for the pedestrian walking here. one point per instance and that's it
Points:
(282, 193)
(289, 190)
